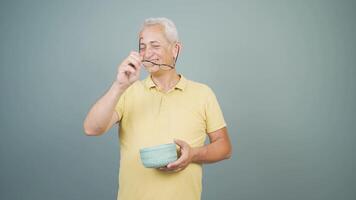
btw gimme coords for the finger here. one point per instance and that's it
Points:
(136, 56)
(170, 170)
(181, 147)
(178, 162)
(137, 71)
(135, 53)
(128, 69)
(131, 61)
(175, 167)
(163, 169)
(178, 169)
(138, 61)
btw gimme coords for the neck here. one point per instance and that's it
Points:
(165, 80)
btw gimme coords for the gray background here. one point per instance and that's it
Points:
(283, 71)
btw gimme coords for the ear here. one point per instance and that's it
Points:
(177, 49)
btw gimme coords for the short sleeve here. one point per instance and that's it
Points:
(214, 116)
(120, 106)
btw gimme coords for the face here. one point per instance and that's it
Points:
(155, 47)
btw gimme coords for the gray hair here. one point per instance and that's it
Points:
(168, 25)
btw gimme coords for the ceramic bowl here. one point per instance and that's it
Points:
(158, 156)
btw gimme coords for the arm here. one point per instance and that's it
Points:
(102, 116)
(219, 149)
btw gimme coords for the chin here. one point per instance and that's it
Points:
(156, 72)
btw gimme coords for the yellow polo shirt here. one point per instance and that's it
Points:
(150, 117)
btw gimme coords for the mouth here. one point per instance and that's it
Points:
(151, 61)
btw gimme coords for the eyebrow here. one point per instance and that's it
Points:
(154, 41)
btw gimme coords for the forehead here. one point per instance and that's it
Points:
(152, 33)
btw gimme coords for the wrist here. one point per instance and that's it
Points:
(119, 86)
(196, 154)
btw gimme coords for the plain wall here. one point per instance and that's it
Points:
(283, 72)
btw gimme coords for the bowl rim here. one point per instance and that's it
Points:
(157, 147)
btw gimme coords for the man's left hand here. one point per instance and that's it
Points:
(186, 156)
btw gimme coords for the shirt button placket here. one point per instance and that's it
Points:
(163, 103)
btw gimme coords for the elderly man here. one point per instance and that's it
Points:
(163, 108)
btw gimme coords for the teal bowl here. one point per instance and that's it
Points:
(158, 156)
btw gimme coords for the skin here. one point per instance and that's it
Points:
(155, 46)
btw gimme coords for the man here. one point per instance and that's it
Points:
(163, 108)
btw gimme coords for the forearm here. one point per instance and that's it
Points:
(213, 152)
(101, 112)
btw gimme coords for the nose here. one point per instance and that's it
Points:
(148, 53)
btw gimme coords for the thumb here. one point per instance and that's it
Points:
(179, 142)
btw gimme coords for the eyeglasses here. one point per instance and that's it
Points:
(162, 66)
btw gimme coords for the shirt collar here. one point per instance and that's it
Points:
(181, 85)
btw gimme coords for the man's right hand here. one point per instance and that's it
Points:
(129, 70)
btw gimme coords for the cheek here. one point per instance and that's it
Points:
(160, 52)
(165, 54)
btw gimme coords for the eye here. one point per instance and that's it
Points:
(155, 46)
